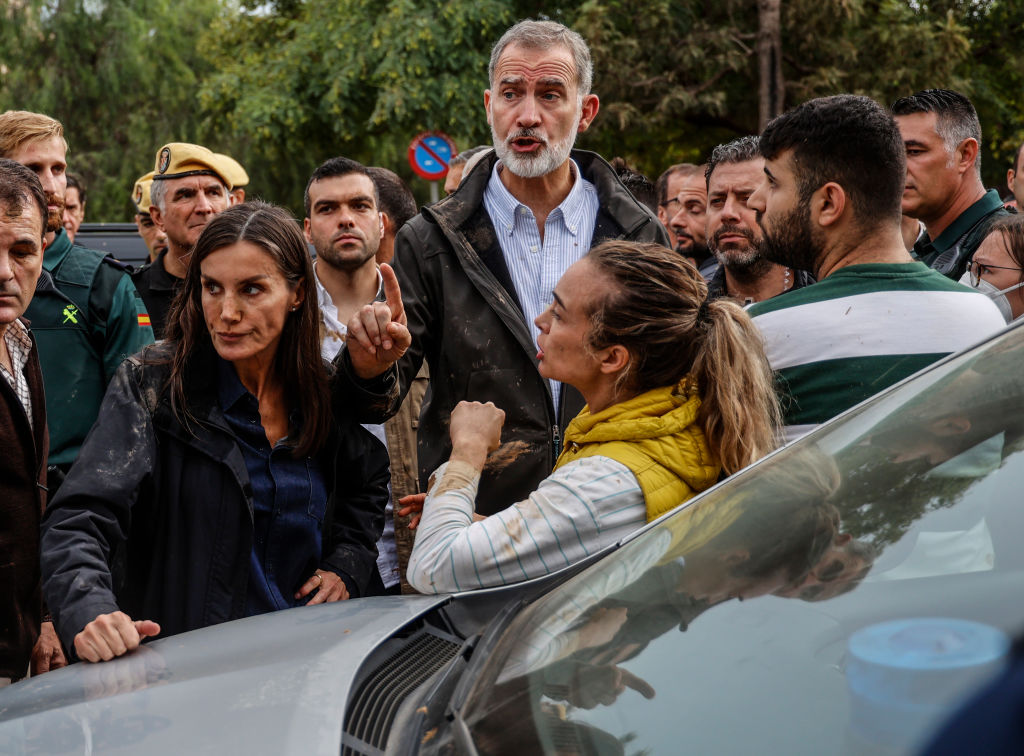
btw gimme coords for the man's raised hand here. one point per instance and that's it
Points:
(377, 332)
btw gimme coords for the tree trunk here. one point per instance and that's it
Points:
(769, 60)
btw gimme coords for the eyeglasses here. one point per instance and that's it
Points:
(674, 205)
(977, 270)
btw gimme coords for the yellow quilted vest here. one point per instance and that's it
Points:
(656, 436)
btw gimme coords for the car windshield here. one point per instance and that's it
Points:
(842, 596)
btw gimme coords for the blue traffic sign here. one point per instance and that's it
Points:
(430, 153)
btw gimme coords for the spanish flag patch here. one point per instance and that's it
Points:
(144, 319)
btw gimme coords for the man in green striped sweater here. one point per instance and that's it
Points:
(835, 169)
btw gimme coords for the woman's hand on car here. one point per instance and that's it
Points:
(111, 635)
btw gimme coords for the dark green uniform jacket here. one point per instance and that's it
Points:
(951, 252)
(86, 317)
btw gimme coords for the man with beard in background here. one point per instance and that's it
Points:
(829, 203)
(734, 171)
(86, 314)
(479, 266)
(687, 218)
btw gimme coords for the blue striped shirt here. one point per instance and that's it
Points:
(534, 265)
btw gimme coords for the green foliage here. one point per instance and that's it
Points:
(349, 77)
(121, 75)
(677, 77)
(283, 85)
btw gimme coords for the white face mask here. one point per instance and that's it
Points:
(996, 295)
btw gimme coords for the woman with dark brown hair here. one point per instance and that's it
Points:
(227, 474)
(678, 391)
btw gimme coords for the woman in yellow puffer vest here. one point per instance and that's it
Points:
(678, 391)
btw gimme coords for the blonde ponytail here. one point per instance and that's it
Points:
(739, 407)
(657, 308)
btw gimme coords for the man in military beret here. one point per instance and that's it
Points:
(153, 236)
(86, 314)
(188, 188)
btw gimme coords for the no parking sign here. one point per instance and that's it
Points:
(430, 153)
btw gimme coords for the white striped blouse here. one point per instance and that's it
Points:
(577, 510)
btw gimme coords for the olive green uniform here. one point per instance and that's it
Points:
(954, 248)
(86, 317)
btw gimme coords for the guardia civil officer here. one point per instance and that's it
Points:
(86, 314)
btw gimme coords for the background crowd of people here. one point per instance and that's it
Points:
(554, 354)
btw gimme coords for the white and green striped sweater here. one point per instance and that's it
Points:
(862, 329)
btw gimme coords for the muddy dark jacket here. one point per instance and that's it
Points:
(156, 518)
(466, 321)
(22, 481)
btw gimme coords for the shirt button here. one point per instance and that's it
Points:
(533, 248)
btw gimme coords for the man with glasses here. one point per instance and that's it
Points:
(829, 203)
(682, 208)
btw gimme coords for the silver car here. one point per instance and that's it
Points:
(842, 596)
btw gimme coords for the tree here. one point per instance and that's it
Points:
(771, 88)
(120, 75)
(283, 85)
(327, 77)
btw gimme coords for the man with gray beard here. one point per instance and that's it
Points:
(734, 171)
(479, 266)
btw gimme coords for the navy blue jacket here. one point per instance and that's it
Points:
(155, 518)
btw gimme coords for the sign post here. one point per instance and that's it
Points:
(429, 155)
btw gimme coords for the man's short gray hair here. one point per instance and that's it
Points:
(157, 193)
(955, 117)
(739, 150)
(543, 35)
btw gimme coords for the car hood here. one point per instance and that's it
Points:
(277, 683)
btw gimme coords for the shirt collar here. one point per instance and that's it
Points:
(571, 209)
(988, 203)
(19, 332)
(323, 297)
(19, 344)
(229, 387)
(162, 280)
(57, 250)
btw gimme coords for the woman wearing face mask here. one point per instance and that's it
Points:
(998, 266)
(678, 390)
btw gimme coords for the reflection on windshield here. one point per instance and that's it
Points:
(900, 491)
